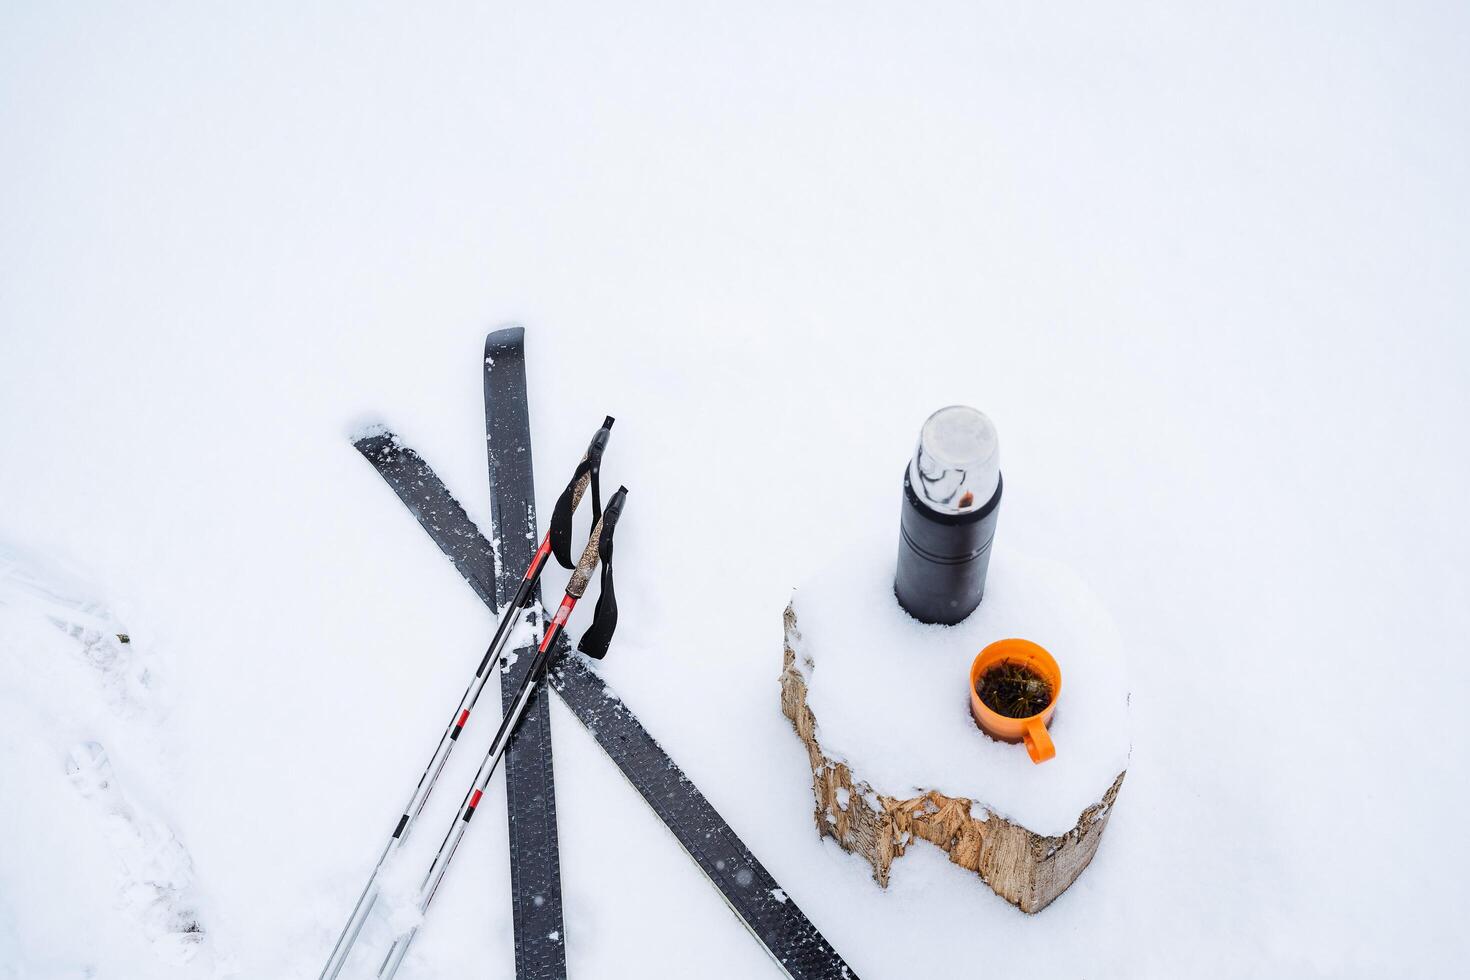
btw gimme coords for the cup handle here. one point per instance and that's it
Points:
(1038, 741)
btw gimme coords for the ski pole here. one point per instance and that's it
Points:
(585, 475)
(600, 543)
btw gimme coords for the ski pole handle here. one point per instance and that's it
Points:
(579, 489)
(593, 459)
(585, 478)
(582, 574)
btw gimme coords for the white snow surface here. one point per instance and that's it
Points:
(1204, 267)
(891, 694)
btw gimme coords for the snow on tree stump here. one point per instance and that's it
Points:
(881, 704)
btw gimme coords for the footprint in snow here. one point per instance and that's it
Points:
(31, 583)
(155, 871)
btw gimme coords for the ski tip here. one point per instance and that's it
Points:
(364, 429)
(510, 336)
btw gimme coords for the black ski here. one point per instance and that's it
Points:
(535, 864)
(747, 887)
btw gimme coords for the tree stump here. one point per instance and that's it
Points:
(879, 823)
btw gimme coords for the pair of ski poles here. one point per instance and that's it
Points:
(599, 547)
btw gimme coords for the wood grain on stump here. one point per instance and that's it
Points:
(1027, 869)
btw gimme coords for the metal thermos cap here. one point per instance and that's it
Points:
(956, 467)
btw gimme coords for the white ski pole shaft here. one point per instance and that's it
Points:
(415, 805)
(575, 588)
(360, 912)
(432, 880)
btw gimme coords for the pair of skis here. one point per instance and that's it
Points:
(595, 641)
(746, 886)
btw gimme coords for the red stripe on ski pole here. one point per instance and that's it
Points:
(540, 559)
(464, 716)
(562, 613)
(475, 799)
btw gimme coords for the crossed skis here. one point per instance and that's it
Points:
(745, 884)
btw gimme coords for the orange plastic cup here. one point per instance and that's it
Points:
(1032, 730)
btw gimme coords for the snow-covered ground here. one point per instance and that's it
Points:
(1204, 268)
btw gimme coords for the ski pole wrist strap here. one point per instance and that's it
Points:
(585, 476)
(598, 636)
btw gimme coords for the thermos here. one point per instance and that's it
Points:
(951, 500)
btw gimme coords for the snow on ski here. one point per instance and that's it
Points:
(744, 883)
(535, 863)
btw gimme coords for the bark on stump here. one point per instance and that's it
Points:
(1028, 870)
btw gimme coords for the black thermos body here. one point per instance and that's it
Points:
(945, 531)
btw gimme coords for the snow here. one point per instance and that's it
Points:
(65, 668)
(891, 694)
(1203, 267)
